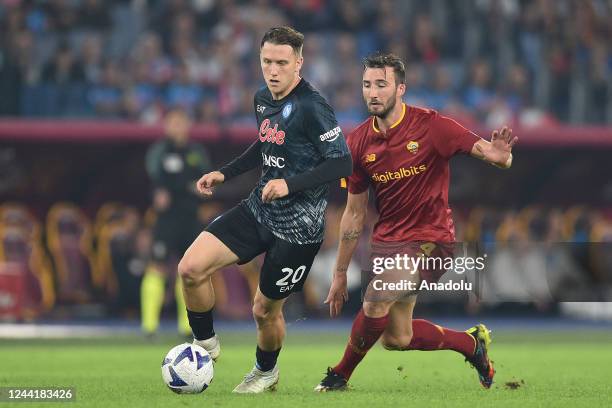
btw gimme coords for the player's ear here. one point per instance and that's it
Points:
(298, 64)
(401, 89)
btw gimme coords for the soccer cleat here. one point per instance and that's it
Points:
(212, 345)
(258, 381)
(332, 382)
(480, 360)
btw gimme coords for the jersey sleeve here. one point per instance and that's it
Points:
(449, 137)
(358, 181)
(248, 160)
(323, 130)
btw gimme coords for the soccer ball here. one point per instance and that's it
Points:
(187, 369)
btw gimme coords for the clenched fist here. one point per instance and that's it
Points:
(274, 189)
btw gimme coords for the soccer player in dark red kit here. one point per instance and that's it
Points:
(402, 152)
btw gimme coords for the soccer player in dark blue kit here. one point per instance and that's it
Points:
(301, 149)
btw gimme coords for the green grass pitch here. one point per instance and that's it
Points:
(560, 369)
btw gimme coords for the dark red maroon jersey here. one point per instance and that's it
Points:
(408, 170)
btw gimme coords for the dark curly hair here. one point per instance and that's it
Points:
(382, 60)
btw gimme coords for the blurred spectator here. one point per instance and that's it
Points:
(182, 92)
(13, 22)
(11, 78)
(306, 15)
(348, 105)
(141, 98)
(231, 90)
(91, 55)
(105, 96)
(389, 27)
(243, 114)
(442, 92)
(64, 68)
(61, 15)
(417, 93)
(185, 52)
(94, 15)
(478, 95)
(424, 45)
(560, 69)
(149, 51)
(515, 92)
(164, 14)
(63, 85)
(319, 67)
(346, 16)
(600, 89)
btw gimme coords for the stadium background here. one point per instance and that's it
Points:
(84, 86)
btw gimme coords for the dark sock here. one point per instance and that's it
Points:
(201, 324)
(266, 360)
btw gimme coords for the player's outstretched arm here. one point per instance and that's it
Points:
(351, 225)
(241, 164)
(248, 160)
(498, 151)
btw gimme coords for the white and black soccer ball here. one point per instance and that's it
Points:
(187, 369)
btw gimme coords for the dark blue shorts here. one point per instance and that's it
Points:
(286, 265)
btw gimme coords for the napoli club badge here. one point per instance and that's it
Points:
(287, 110)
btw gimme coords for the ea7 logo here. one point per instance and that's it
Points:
(261, 108)
(331, 135)
(271, 135)
(273, 161)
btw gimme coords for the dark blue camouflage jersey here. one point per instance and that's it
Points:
(296, 134)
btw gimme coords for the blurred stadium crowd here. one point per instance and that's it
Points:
(71, 265)
(495, 61)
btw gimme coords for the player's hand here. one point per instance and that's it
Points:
(274, 189)
(338, 294)
(206, 183)
(501, 145)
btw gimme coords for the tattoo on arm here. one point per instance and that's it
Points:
(342, 269)
(350, 235)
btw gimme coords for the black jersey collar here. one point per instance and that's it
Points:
(281, 101)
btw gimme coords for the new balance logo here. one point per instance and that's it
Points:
(331, 135)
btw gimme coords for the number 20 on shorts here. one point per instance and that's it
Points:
(291, 277)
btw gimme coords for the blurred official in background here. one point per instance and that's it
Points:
(173, 165)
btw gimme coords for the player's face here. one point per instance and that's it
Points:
(380, 92)
(280, 66)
